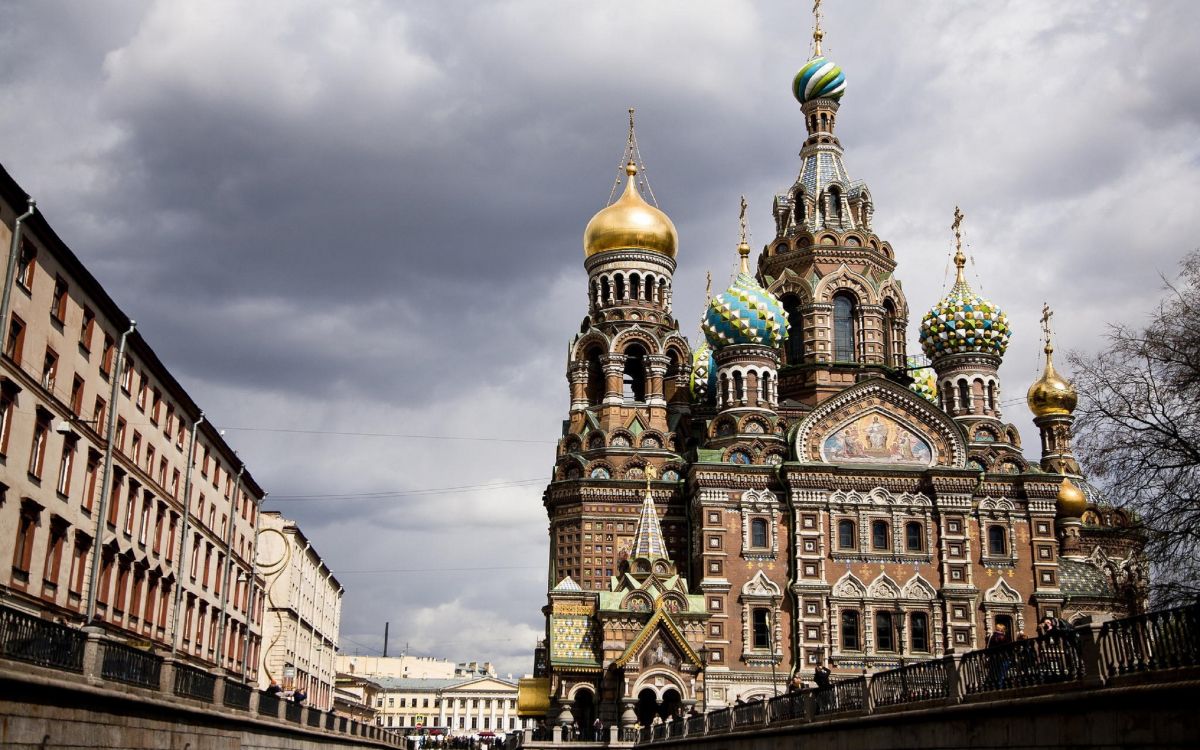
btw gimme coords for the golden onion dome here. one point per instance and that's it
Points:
(1051, 394)
(630, 222)
(1071, 501)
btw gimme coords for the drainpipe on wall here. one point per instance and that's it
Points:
(237, 487)
(183, 540)
(106, 483)
(14, 250)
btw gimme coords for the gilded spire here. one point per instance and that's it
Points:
(818, 35)
(960, 260)
(743, 245)
(1047, 313)
(1051, 393)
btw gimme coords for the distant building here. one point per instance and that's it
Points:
(455, 706)
(355, 697)
(303, 612)
(175, 529)
(415, 667)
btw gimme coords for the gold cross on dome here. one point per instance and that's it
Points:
(1047, 314)
(818, 35)
(742, 221)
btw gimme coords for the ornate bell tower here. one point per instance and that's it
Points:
(846, 312)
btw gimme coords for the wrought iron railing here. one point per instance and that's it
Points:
(1050, 658)
(720, 720)
(41, 642)
(841, 696)
(194, 683)
(268, 704)
(749, 714)
(237, 695)
(695, 724)
(922, 681)
(676, 728)
(786, 707)
(130, 665)
(1168, 639)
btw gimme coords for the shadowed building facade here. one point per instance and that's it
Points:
(796, 489)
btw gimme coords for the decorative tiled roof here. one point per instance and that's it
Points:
(745, 313)
(1083, 580)
(568, 585)
(648, 539)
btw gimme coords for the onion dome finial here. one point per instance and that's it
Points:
(745, 313)
(1051, 393)
(818, 78)
(1071, 502)
(963, 322)
(630, 222)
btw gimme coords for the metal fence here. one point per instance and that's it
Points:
(922, 681)
(1168, 639)
(719, 720)
(1051, 658)
(314, 717)
(786, 707)
(754, 712)
(841, 696)
(194, 683)
(291, 712)
(237, 695)
(268, 703)
(130, 665)
(41, 642)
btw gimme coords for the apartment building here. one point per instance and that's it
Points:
(303, 612)
(119, 505)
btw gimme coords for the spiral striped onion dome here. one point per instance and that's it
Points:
(745, 313)
(924, 378)
(964, 323)
(819, 79)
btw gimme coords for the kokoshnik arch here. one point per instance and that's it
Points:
(797, 489)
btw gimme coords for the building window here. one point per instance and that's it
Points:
(919, 631)
(6, 416)
(86, 329)
(16, 339)
(794, 345)
(914, 538)
(997, 541)
(23, 549)
(26, 264)
(37, 449)
(49, 369)
(884, 634)
(65, 465)
(843, 328)
(77, 395)
(846, 535)
(879, 535)
(758, 533)
(762, 628)
(850, 630)
(107, 355)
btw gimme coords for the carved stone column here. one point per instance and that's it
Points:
(614, 371)
(577, 376)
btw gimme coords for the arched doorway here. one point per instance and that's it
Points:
(672, 703)
(647, 706)
(585, 711)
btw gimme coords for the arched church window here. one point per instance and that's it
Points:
(619, 281)
(605, 288)
(879, 535)
(765, 394)
(846, 535)
(799, 211)
(835, 204)
(885, 634)
(843, 328)
(739, 388)
(964, 395)
(794, 343)
(649, 289)
(758, 533)
(997, 540)
(850, 630)
(762, 627)
(724, 389)
(635, 285)
(914, 537)
(634, 378)
(662, 291)
(672, 376)
(595, 376)
(889, 329)
(919, 631)
(991, 395)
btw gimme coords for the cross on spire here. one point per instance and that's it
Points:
(818, 35)
(1047, 314)
(743, 245)
(960, 260)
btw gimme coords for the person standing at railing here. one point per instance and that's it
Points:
(998, 663)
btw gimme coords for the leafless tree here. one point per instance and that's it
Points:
(1138, 430)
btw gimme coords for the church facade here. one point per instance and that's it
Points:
(795, 489)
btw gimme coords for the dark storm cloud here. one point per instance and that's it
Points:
(366, 217)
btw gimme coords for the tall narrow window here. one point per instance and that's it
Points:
(23, 548)
(919, 631)
(634, 378)
(765, 394)
(77, 396)
(635, 286)
(850, 640)
(758, 533)
(799, 210)
(65, 465)
(885, 634)
(890, 358)
(59, 307)
(835, 204)
(846, 535)
(16, 339)
(794, 344)
(991, 396)
(26, 264)
(879, 535)
(52, 565)
(914, 538)
(91, 483)
(37, 449)
(762, 628)
(739, 388)
(6, 416)
(843, 328)
(49, 369)
(87, 328)
(964, 395)
(997, 540)
(107, 355)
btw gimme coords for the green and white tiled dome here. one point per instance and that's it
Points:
(745, 313)
(964, 323)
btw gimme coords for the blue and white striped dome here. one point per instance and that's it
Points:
(819, 79)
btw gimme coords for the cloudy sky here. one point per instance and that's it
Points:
(344, 221)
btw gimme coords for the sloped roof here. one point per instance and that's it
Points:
(1083, 580)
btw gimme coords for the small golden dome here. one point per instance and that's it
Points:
(630, 222)
(1052, 393)
(1071, 500)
